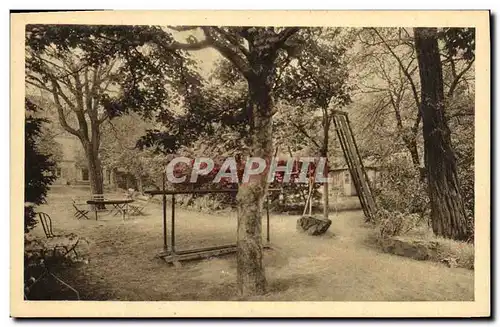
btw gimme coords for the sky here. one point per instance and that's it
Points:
(206, 58)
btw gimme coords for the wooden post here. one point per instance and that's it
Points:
(367, 180)
(349, 161)
(267, 213)
(173, 224)
(164, 198)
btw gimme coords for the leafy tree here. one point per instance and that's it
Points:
(388, 79)
(47, 142)
(38, 167)
(254, 52)
(447, 207)
(119, 148)
(93, 77)
(317, 81)
(392, 69)
(387, 73)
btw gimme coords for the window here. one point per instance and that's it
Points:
(346, 178)
(85, 174)
(58, 172)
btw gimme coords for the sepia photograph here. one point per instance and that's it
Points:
(213, 161)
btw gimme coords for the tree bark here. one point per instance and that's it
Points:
(95, 169)
(140, 188)
(250, 272)
(324, 153)
(447, 208)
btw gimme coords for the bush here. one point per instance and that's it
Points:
(38, 167)
(395, 223)
(460, 253)
(466, 179)
(42, 253)
(210, 202)
(463, 145)
(401, 197)
(401, 189)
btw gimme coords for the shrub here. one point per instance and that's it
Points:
(466, 179)
(455, 251)
(395, 223)
(463, 144)
(400, 188)
(210, 202)
(42, 253)
(38, 167)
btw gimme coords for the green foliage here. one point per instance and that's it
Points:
(463, 145)
(43, 253)
(395, 223)
(400, 188)
(210, 114)
(146, 67)
(319, 74)
(210, 202)
(119, 149)
(38, 167)
(459, 40)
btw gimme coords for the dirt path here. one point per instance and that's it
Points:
(338, 266)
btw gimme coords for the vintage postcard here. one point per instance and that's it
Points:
(250, 164)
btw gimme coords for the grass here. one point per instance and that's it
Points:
(338, 266)
(461, 252)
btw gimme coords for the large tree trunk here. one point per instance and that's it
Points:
(250, 272)
(324, 153)
(95, 169)
(447, 208)
(140, 187)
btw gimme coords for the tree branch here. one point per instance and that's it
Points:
(233, 41)
(60, 113)
(457, 78)
(228, 53)
(80, 107)
(303, 131)
(402, 66)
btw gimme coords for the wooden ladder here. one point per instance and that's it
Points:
(354, 163)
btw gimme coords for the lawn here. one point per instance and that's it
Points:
(338, 266)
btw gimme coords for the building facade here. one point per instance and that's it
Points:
(72, 167)
(342, 181)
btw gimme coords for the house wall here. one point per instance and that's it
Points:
(71, 171)
(342, 181)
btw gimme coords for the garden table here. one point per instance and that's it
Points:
(121, 205)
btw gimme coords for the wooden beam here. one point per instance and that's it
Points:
(156, 192)
(197, 254)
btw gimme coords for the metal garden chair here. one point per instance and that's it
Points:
(46, 255)
(56, 238)
(81, 209)
(140, 204)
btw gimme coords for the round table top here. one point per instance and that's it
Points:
(117, 201)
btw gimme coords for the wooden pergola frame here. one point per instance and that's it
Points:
(172, 255)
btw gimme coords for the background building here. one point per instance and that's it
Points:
(72, 167)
